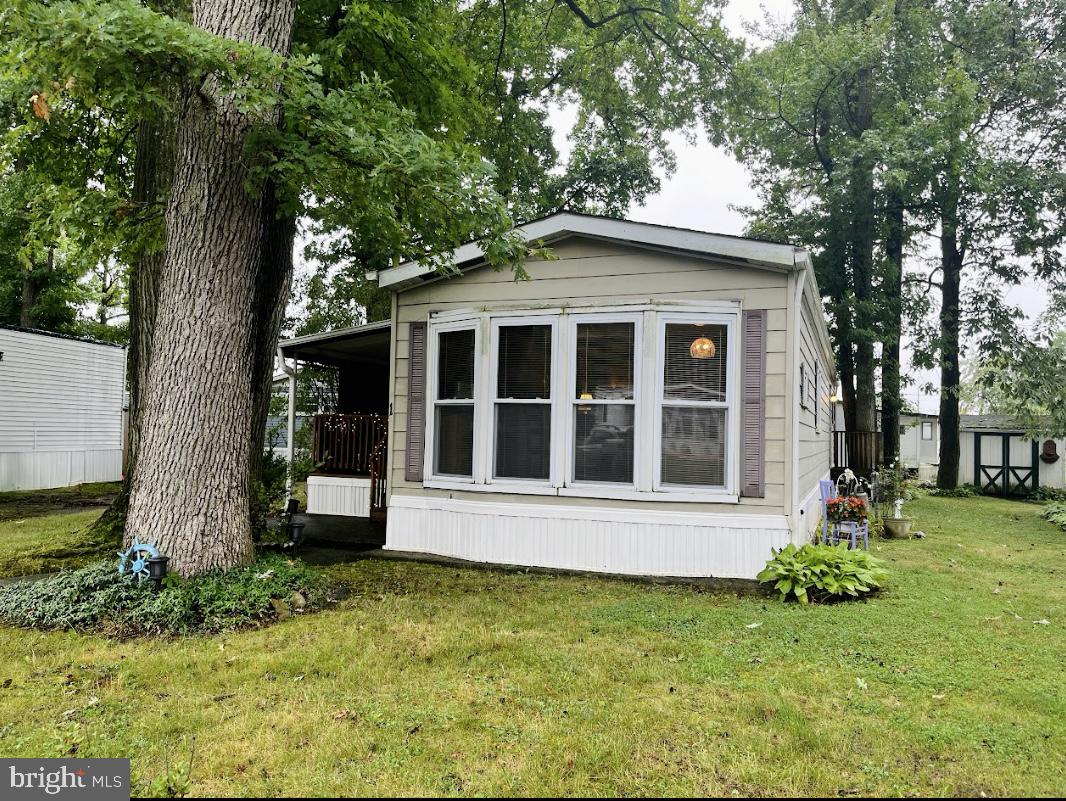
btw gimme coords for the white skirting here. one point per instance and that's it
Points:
(29, 470)
(629, 540)
(338, 495)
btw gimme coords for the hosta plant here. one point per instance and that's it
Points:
(817, 573)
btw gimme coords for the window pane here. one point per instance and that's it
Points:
(605, 361)
(603, 443)
(693, 446)
(455, 365)
(695, 366)
(455, 440)
(523, 440)
(525, 362)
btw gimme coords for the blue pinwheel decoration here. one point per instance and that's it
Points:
(134, 561)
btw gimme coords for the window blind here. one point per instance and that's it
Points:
(694, 405)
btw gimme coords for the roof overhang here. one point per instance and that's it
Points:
(361, 344)
(751, 252)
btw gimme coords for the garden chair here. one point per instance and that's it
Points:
(849, 530)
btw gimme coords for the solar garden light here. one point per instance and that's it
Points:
(292, 507)
(296, 533)
(157, 571)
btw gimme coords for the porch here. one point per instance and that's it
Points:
(342, 379)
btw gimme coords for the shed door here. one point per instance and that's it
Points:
(1005, 464)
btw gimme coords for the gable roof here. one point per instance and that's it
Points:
(754, 252)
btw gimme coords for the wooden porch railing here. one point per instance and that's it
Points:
(858, 450)
(353, 444)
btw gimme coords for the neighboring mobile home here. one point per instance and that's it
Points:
(60, 410)
(652, 401)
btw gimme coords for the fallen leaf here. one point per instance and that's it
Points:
(753, 625)
(861, 682)
(1042, 622)
(341, 714)
(939, 697)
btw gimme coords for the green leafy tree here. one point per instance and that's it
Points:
(370, 120)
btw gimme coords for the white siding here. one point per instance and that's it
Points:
(338, 495)
(597, 539)
(60, 411)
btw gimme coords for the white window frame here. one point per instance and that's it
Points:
(731, 404)
(496, 323)
(609, 488)
(433, 381)
(930, 437)
(648, 376)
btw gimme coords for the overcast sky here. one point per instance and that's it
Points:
(709, 182)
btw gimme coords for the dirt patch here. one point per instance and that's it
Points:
(20, 505)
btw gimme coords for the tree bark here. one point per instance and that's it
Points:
(891, 384)
(190, 489)
(32, 284)
(862, 262)
(272, 295)
(951, 257)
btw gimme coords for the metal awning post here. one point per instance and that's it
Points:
(290, 438)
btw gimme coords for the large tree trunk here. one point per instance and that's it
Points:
(32, 284)
(891, 390)
(152, 171)
(950, 372)
(272, 294)
(862, 235)
(190, 490)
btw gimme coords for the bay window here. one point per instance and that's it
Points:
(621, 403)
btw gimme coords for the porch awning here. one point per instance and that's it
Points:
(361, 344)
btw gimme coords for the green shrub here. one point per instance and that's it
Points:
(823, 572)
(1044, 494)
(1055, 512)
(961, 491)
(97, 597)
(267, 491)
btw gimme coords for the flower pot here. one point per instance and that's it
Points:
(897, 527)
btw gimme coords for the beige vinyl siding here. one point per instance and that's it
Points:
(592, 271)
(815, 445)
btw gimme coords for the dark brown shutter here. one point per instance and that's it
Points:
(753, 404)
(416, 404)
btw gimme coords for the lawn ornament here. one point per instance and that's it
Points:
(134, 561)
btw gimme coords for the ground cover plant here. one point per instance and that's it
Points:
(439, 680)
(98, 597)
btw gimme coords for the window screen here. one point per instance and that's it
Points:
(694, 405)
(603, 402)
(927, 430)
(454, 405)
(523, 402)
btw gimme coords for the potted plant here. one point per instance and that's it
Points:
(846, 509)
(895, 487)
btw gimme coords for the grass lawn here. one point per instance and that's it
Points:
(435, 680)
(42, 531)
